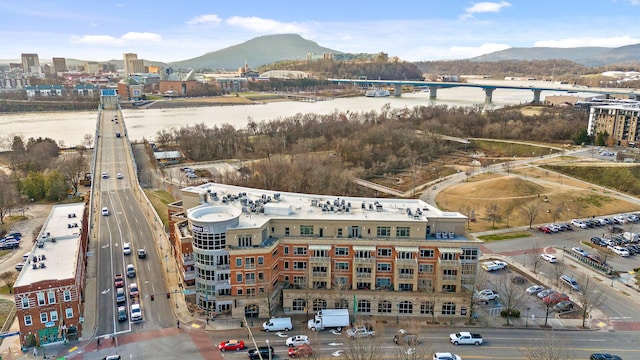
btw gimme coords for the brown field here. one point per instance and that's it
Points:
(558, 198)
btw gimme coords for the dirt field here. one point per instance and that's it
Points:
(557, 198)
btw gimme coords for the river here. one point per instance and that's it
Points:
(69, 128)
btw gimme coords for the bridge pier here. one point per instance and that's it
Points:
(397, 90)
(488, 95)
(536, 96)
(433, 92)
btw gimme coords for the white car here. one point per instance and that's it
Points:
(105, 211)
(534, 289)
(446, 356)
(297, 341)
(619, 250)
(579, 223)
(553, 227)
(550, 258)
(119, 176)
(579, 251)
(136, 312)
(485, 295)
(105, 175)
(126, 249)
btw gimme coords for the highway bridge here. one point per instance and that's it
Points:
(433, 87)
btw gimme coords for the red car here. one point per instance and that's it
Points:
(544, 229)
(303, 350)
(555, 298)
(118, 280)
(230, 345)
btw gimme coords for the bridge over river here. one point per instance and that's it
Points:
(488, 88)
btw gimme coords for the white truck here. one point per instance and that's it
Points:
(494, 265)
(329, 319)
(465, 338)
(360, 332)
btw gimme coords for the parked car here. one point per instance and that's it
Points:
(563, 306)
(555, 298)
(534, 289)
(231, 345)
(570, 282)
(619, 250)
(579, 223)
(595, 258)
(598, 241)
(545, 229)
(544, 293)
(579, 251)
(604, 357)
(550, 258)
(485, 295)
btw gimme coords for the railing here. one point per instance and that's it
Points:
(405, 276)
(320, 259)
(450, 263)
(409, 262)
(363, 275)
(364, 260)
(249, 266)
(449, 277)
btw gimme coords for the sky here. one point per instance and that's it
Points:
(412, 30)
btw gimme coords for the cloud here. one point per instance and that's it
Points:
(210, 19)
(463, 52)
(141, 36)
(130, 37)
(588, 41)
(261, 25)
(484, 7)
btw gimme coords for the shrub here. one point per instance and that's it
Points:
(514, 313)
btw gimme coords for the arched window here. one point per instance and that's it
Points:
(319, 304)
(299, 304)
(364, 306)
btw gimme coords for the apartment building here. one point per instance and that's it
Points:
(50, 287)
(31, 64)
(252, 252)
(618, 120)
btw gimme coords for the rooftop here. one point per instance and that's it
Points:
(259, 206)
(57, 246)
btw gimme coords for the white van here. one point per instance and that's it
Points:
(277, 324)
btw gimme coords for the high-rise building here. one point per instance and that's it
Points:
(133, 65)
(59, 64)
(31, 64)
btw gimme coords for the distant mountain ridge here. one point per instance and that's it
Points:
(587, 56)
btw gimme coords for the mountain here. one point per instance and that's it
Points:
(257, 51)
(587, 56)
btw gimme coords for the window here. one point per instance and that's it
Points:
(300, 281)
(274, 253)
(426, 308)
(403, 232)
(341, 304)
(339, 232)
(27, 320)
(320, 253)
(319, 304)
(286, 250)
(469, 254)
(426, 253)
(384, 252)
(260, 260)
(299, 265)
(67, 295)
(384, 231)
(44, 317)
(286, 231)
(299, 304)
(299, 251)
(405, 307)
(448, 308)
(341, 266)
(251, 292)
(363, 254)
(286, 265)
(448, 288)
(306, 230)
(53, 315)
(239, 291)
(260, 276)
(245, 241)
(364, 306)
(249, 263)
(239, 278)
(41, 299)
(51, 297)
(384, 267)
(405, 255)
(425, 285)
(384, 307)
(447, 256)
(25, 302)
(238, 262)
(425, 268)
(342, 251)
(209, 241)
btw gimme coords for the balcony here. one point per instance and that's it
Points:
(370, 261)
(250, 281)
(250, 266)
(450, 263)
(363, 275)
(189, 275)
(188, 260)
(223, 267)
(407, 262)
(406, 276)
(450, 277)
(320, 274)
(319, 260)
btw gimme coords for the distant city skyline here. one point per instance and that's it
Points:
(412, 30)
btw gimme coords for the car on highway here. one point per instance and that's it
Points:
(131, 271)
(600, 356)
(301, 351)
(579, 251)
(119, 176)
(105, 175)
(122, 313)
(118, 280)
(550, 258)
(142, 253)
(534, 289)
(297, 340)
(405, 338)
(105, 211)
(133, 290)
(446, 356)
(126, 248)
(231, 345)
(262, 351)
(136, 312)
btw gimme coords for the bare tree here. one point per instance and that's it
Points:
(548, 306)
(557, 212)
(363, 349)
(9, 278)
(8, 197)
(534, 255)
(531, 211)
(558, 270)
(72, 167)
(549, 347)
(493, 213)
(508, 211)
(512, 295)
(589, 298)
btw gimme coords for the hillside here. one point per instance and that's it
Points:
(258, 51)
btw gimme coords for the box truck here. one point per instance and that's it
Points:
(329, 318)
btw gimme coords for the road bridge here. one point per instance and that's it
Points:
(433, 87)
